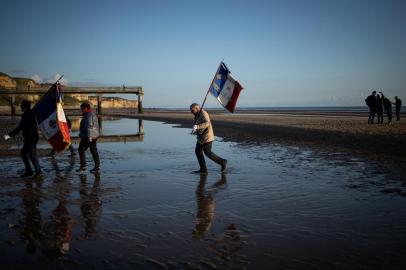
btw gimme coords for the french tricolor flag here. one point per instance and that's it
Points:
(51, 119)
(225, 88)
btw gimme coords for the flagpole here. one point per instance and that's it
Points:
(205, 98)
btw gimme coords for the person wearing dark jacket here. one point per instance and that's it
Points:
(398, 105)
(29, 127)
(387, 105)
(379, 107)
(371, 103)
(88, 133)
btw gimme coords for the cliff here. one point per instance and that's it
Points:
(17, 83)
(7, 81)
(114, 102)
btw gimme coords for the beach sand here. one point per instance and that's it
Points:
(146, 210)
(334, 130)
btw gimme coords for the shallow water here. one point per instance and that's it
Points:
(278, 207)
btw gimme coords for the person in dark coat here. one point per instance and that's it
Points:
(29, 127)
(379, 107)
(88, 133)
(387, 105)
(371, 103)
(398, 106)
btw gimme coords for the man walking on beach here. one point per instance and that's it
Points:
(88, 133)
(371, 103)
(205, 137)
(387, 105)
(28, 125)
(398, 105)
(379, 107)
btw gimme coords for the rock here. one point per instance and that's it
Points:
(7, 82)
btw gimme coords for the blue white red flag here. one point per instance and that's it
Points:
(225, 88)
(51, 119)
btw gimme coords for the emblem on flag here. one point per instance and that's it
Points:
(225, 88)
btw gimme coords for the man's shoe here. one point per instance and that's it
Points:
(95, 170)
(81, 169)
(200, 171)
(224, 165)
(27, 173)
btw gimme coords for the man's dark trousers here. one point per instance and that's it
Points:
(372, 112)
(83, 145)
(206, 148)
(29, 152)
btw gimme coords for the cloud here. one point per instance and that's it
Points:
(55, 78)
(36, 78)
(51, 79)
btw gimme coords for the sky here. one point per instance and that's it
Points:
(284, 53)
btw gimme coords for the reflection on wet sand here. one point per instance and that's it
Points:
(275, 201)
(90, 204)
(227, 245)
(31, 220)
(205, 205)
(58, 231)
(53, 235)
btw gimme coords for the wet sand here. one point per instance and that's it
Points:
(280, 206)
(334, 129)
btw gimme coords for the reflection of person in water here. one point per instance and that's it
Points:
(90, 204)
(58, 231)
(58, 172)
(205, 205)
(31, 224)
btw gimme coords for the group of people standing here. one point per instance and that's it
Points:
(88, 133)
(379, 104)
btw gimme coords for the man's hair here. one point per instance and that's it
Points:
(194, 105)
(374, 92)
(396, 97)
(26, 104)
(85, 105)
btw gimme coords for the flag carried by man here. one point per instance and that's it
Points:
(51, 118)
(225, 88)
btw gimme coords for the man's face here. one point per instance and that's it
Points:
(22, 108)
(194, 110)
